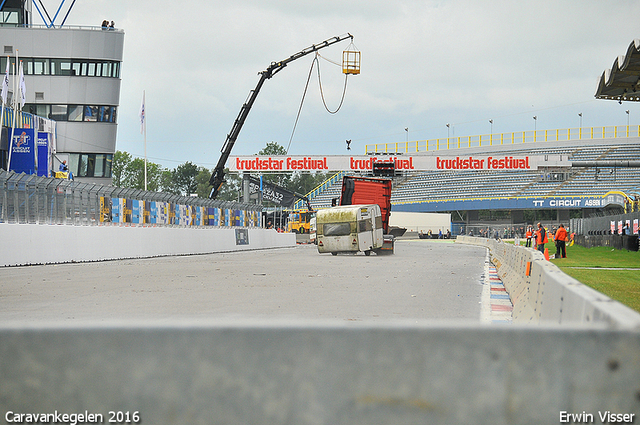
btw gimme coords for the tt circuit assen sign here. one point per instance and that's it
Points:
(402, 163)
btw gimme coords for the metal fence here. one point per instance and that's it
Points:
(43, 200)
(557, 135)
(596, 226)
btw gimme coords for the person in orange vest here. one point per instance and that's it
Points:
(561, 239)
(541, 238)
(529, 235)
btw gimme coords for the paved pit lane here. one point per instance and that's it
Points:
(423, 280)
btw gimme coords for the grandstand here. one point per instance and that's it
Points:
(513, 190)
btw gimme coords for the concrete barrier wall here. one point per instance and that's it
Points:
(257, 373)
(546, 294)
(23, 244)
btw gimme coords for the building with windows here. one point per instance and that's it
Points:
(72, 76)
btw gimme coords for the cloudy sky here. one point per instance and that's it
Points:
(424, 64)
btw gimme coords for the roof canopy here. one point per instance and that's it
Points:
(622, 81)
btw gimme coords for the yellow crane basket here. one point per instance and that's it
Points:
(351, 60)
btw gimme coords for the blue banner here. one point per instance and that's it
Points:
(153, 212)
(136, 215)
(43, 154)
(554, 203)
(116, 210)
(23, 154)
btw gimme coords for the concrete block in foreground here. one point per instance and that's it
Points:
(327, 374)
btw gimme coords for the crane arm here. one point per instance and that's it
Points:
(217, 177)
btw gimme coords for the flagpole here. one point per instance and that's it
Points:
(144, 124)
(14, 106)
(5, 89)
(23, 100)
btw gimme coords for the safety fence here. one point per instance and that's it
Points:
(558, 135)
(43, 200)
(609, 225)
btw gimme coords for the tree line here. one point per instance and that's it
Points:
(188, 178)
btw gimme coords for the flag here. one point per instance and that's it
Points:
(5, 83)
(23, 88)
(142, 115)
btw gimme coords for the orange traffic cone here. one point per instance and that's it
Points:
(546, 254)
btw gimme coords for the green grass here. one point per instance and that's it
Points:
(620, 285)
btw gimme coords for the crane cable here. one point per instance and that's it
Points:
(344, 91)
(304, 94)
(306, 86)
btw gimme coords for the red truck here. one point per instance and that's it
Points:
(371, 190)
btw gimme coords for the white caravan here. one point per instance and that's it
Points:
(349, 228)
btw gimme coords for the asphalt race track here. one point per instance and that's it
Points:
(423, 280)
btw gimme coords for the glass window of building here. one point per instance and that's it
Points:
(60, 67)
(73, 163)
(59, 112)
(91, 113)
(99, 168)
(35, 109)
(108, 160)
(10, 16)
(27, 66)
(75, 112)
(43, 110)
(90, 165)
(41, 66)
(104, 114)
(82, 165)
(48, 66)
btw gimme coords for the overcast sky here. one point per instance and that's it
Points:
(424, 64)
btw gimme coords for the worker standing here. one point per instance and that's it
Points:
(561, 239)
(529, 235)
(541, 238)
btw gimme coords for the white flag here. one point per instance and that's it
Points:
(23, 88)
(5, 83)
(142, 115)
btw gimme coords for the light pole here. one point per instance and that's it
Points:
(535, 123)
(491, 133)
(580, 115)
(407, 130)
(627, 112)
(448, 125)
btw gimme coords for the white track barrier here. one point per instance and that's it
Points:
(257, 372)
(25, 244)
(546, 294)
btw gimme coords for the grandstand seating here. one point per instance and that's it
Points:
(463, 184)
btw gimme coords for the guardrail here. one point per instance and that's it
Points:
(542, 293)
(558, 135)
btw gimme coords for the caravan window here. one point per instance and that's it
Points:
(364, 226)
(336, 229)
